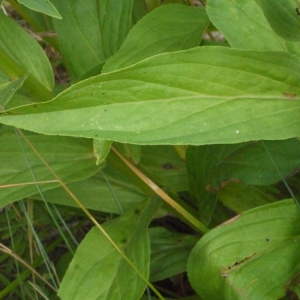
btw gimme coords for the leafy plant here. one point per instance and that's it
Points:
(172, 127)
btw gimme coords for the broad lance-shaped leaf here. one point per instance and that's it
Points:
(252, 256)
(168, 28)
(99, 272)
(205, 95)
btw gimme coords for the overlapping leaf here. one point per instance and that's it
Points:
(44, 6)
(168, 28)
(115, 23)
(283, 17)
(243, 24)
(169, 252)
(253, 256)
(80, 23)
(21, 54)
(206, 95)
(98, 271)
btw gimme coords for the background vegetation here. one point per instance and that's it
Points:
(149, 149)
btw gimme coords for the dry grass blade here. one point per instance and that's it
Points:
(191, 219)
(8, 251)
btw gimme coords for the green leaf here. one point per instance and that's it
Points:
(8, 91)
(114, 22)
(44, 6)
(204, 97)
(169, 252)
(247, 162)
(21, 54)
(283, 18)
(252, 256)
(72, 159)
(80, 23)
(133, 152)
(163, 165)
(211, 167)
(101, 149)
(107, 191)
(168, 28)
(243, 24)
(98, 271)
(240, 197)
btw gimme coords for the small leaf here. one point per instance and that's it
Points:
(43, 6)
(252, 256)
(98, 271)
(101, 150)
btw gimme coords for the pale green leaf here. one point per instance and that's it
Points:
(243, 24)
(207, 95)
(167, 28)
(98, 271)
(252, 256)
(43, 6)
(25, 52)
(72, 159)
(283, 18)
